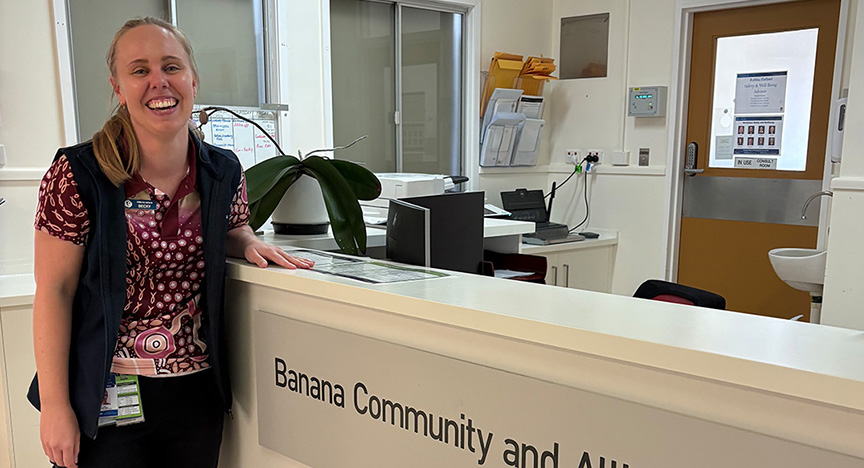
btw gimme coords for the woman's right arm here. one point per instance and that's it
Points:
(57, 266)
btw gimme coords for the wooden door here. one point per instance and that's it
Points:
(733, 214)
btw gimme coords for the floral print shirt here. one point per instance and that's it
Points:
(159, 330)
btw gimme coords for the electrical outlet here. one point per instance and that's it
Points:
(595, 152)
(573, 156)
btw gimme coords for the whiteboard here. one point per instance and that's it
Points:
(246, 141)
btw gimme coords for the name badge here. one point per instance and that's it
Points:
(121, 404)
(141, 205)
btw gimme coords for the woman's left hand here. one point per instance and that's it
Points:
(242, 242)
(260, 253)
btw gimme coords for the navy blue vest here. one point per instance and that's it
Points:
(101, 294)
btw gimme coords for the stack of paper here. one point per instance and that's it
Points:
(535, 72)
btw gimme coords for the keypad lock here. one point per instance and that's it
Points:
(690, 160)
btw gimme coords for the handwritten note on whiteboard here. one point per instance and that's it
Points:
(249, 144)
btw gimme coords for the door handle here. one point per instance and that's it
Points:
(566, 275)
(555, 275)
(690, 160)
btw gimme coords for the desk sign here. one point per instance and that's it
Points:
(331, 399)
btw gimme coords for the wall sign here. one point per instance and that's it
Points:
(757, 135)
(329, 399)
(760, 93)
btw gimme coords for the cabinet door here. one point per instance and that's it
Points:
(18, 366)
(589, 269)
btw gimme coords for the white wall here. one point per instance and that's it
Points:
(523, 28)
(590, 114)
(31, 128)
(844, 277)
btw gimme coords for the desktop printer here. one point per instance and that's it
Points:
(405, 185)
(528, 205)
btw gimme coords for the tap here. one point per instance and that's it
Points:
(813, 197)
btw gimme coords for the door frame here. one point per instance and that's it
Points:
(677, 111)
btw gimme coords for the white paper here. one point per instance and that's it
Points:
(244, 143)
(758, 136)
(223, 133)
(367, 271)
(723, 147)
(760, 93)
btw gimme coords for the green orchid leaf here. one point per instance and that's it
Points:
(362, 181)
(263, 177)
(261, 210)
(346, 217)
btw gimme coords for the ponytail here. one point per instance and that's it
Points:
(116, 147)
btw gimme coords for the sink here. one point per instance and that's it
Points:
(803, 269)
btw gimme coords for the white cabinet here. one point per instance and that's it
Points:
(19, 422)
(587, 264)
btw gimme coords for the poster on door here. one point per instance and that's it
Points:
(760, 93)
(757, 136)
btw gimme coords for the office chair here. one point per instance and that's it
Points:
(659, 290)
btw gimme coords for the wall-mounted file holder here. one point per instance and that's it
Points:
(528, 143)
(502, 101)
(500, 139)
(511, 129)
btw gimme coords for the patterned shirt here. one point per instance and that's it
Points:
(160, 327)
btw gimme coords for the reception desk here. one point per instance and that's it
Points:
(468, 371)
(464, 371)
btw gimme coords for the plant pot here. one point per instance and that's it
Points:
(301, 210)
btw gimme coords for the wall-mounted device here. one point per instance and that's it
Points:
(647, 101)
(838, 122)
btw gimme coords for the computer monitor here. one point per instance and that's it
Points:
(455, 230)
(408, 233)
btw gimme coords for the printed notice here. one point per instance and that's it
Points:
(723, 147)
(757, 136)
(760, 93)
(365, 270)
(755, 163)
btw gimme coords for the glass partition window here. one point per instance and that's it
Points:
(397, 77)
(230, 59)
(363, 68)
(431, 91)
(763, 90)
(228, 43)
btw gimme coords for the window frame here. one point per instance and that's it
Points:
(270, 76)
(470, 9)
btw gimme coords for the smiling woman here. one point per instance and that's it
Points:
(176, 206)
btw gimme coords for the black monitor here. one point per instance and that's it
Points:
(455, 231)
(408, 233)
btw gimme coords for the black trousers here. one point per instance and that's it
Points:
(182, 427)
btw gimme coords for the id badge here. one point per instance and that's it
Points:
(121, 404)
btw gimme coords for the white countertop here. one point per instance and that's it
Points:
(606, 238)
(800, 360)
(16, 290)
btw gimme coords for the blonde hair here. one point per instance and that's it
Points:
(115, 145)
